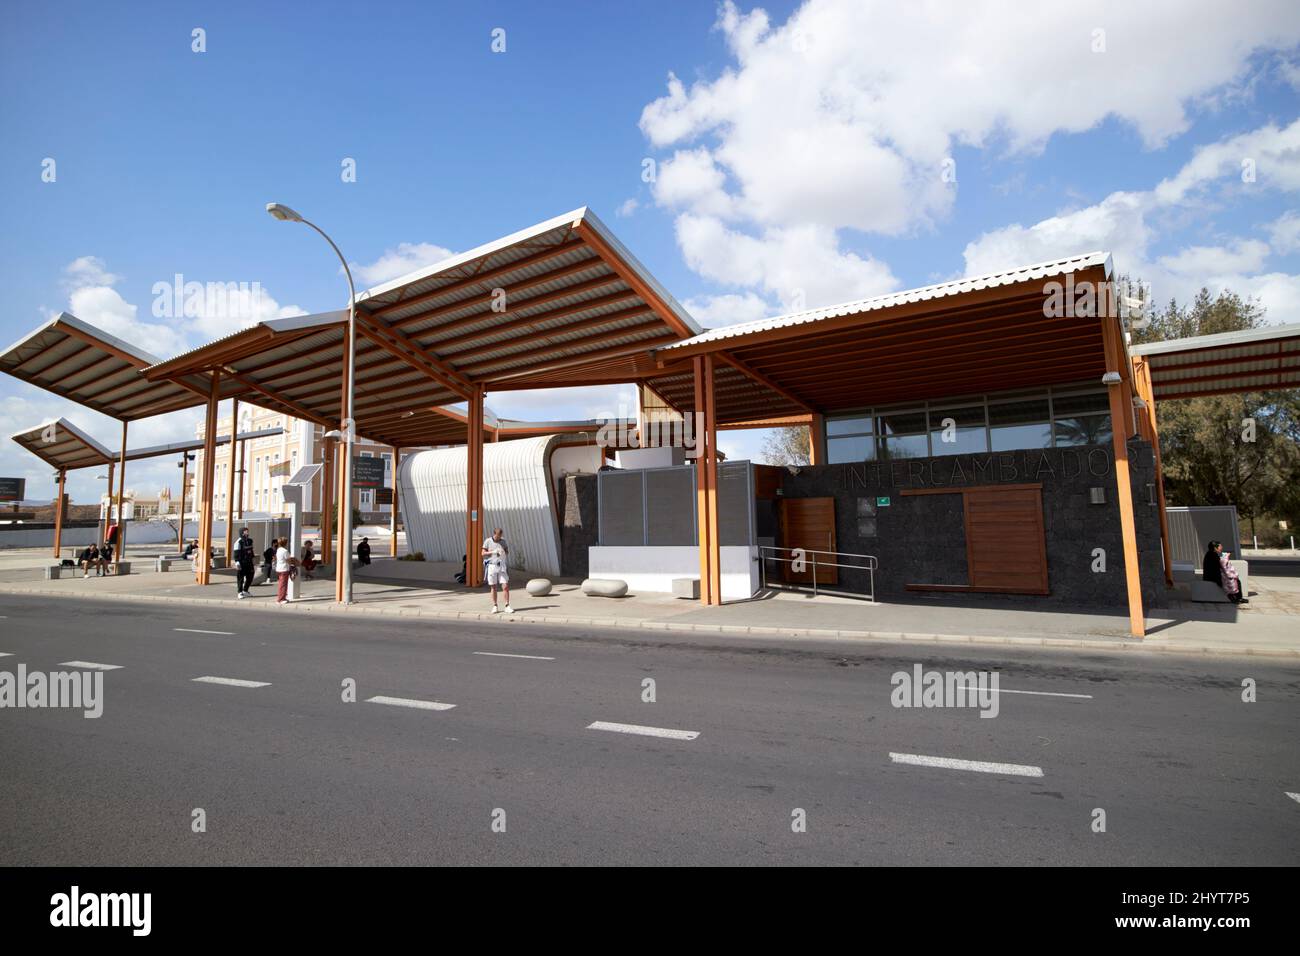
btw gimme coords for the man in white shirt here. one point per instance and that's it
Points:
(495, 570)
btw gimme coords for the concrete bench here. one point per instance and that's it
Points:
(604, 587)
(165, 562)
(1207, 592)
(120, 567)
(55, 571)
(686, 588)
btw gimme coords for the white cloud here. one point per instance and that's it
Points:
(842, 118)
(406, 257)
(714, 310)
(1285, 233)
(803, 265)
(1240, 255)
(627, 207)
(1267, 158)
(92, 298)
(1128, 224)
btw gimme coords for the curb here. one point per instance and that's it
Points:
(886, 637)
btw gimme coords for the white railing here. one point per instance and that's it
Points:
(829, 559)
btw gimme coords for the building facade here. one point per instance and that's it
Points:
(270, 461)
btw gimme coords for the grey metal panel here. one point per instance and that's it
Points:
(1192, 528)
(670, 504)
(621, 508)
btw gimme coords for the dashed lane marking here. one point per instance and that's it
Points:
(979, 766)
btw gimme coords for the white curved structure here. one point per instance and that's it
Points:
(518, 497)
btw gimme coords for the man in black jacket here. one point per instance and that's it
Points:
(244, 561)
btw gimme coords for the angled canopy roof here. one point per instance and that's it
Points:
(561, 294)
(1255, 360)
(982, 334)
(61, 444)
(73, 359)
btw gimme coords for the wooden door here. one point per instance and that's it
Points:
(1005, 547)
(808, 523)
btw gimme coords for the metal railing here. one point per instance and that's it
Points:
(808, 558)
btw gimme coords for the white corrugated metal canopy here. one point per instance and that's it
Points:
(551, 297)
(1253, 360)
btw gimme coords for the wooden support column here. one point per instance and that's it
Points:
(58, 511)
(1121, 421)
(392, 518)
(108, 515)
(185, 478)
(474, 519)
(243, 453)
(342, 549)
(1147, 391)
(706, 482)
(817, 440)
(230, 482)
(207, 480)
(121, 500)
(326, 499)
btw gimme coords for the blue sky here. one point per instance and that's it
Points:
(799, 151)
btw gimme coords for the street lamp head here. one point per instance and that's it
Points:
(282, 212)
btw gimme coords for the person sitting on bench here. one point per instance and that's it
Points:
(89, 556)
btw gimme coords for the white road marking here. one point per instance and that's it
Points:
(194, 630)
(526, 657)
(91, 666)
(6, 655)
(408, 702)
(644, 731)
(1040, 693)
(951, 763)
(232, 681)
(1293, 796)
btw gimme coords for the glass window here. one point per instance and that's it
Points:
(903, 435)
(967, 435)
(1016, 425)
(856, 448)
(1083, 430)
(848, 426)
(1088, 403)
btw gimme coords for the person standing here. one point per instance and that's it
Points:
(363, 552)
(494, 554)
(244, 562)
(284, 562)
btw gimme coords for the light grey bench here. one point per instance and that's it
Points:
(686, 588)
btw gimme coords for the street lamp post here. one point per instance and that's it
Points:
(285, 214)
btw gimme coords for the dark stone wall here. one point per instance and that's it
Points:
(920, 539)
(576, 504)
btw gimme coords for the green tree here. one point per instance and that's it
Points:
(1240, 449)
(786, 446)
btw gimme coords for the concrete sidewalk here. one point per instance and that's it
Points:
(428, 591)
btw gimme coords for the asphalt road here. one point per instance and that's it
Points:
(289, 773)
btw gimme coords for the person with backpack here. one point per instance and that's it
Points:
(244, 562)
